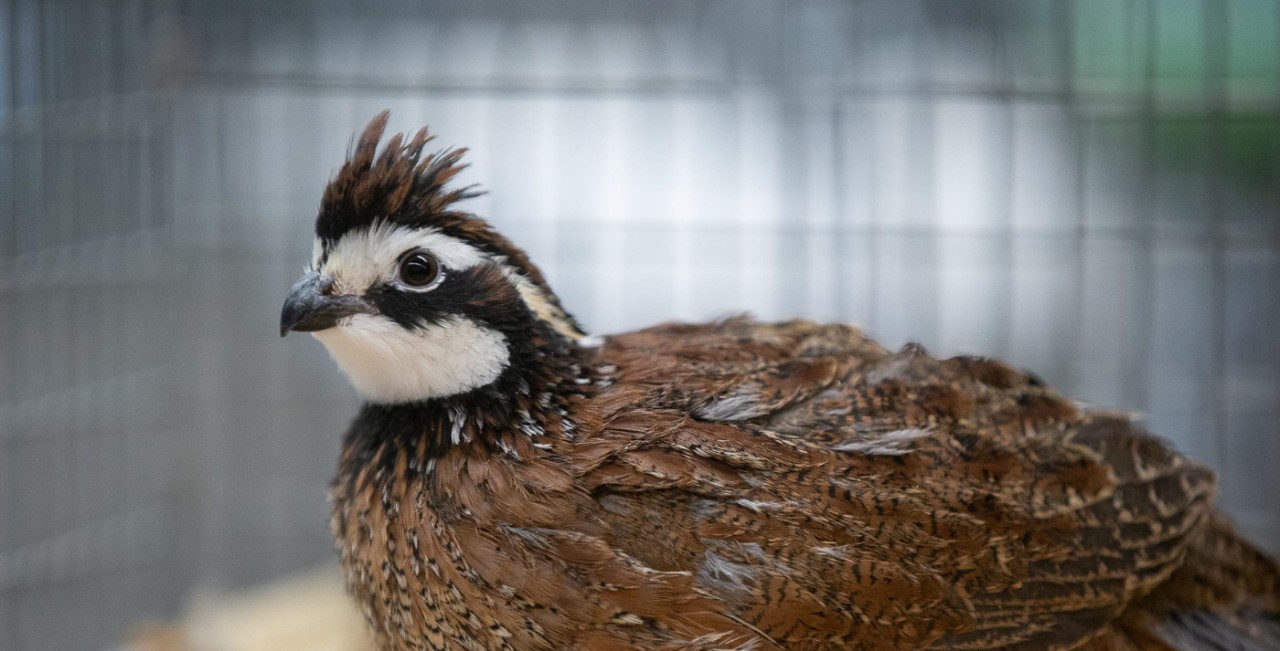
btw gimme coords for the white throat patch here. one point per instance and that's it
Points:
(387, 363)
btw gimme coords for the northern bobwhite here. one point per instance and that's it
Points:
(511, 483)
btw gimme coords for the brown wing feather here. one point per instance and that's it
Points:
(796, 486)
(831, 493)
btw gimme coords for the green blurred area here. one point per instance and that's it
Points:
(1205, 73)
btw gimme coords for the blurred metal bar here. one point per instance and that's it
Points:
(1142, 16)
(1215, 69)
(1110, 101)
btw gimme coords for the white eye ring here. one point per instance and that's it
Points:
(418, 290)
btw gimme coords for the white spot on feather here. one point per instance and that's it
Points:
(458, 418)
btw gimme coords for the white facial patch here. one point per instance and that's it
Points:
(364, 258)
(387, 363)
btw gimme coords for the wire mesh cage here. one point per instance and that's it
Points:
(1088, 189)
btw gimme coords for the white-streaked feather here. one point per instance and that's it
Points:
(722, 574)
(892, 443)
(742, 403)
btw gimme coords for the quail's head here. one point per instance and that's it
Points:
(414, 298)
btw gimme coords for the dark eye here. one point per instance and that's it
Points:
(419, 269)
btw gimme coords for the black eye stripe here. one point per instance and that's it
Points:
(481, 293)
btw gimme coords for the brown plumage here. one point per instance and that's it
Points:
(743, 485)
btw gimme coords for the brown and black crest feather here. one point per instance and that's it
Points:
(402, 185)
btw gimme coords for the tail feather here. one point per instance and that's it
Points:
(1223, 572)
(1224, 597)
(1207, 631)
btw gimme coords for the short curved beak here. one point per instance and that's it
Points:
(311, 305)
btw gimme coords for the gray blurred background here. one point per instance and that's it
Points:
(1088, 188)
